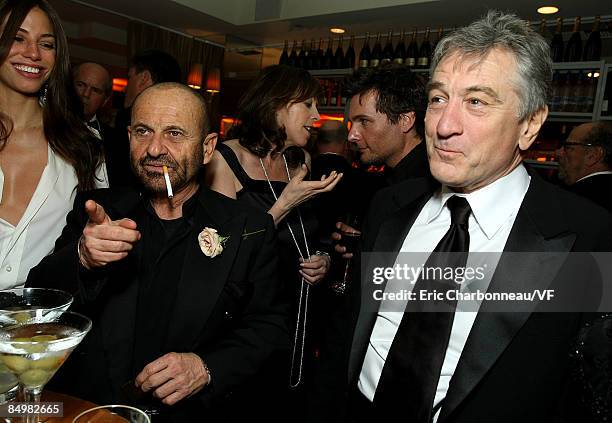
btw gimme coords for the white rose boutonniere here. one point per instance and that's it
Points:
(211, 243)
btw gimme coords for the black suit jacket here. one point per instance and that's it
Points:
(514, 366)
(229, 309)
(596, 188)
(117, 157)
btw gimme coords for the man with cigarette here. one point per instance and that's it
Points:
(180, 281)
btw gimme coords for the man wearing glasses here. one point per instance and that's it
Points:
(585, 162)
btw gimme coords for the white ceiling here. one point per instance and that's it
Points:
(269, 22)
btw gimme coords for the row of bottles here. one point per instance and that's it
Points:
(312, 58)
(575, 49)
(333, 94)
(573, 91)
(411, 55)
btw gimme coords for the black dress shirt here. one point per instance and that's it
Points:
(159, 270)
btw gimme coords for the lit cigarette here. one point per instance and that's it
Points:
(168, 185)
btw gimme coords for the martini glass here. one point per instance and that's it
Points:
(34, 346)
(41, 299)
(44, 299)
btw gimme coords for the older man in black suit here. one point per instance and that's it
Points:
(425, 361)
(585, 162)
(179, 281)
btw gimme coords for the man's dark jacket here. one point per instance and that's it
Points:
(228, 309)
(515, 366)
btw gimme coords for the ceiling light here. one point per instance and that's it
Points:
(547, 10)
(337, 30)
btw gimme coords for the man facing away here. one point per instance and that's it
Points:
(387, 106)
(486, 102)
(180, 282)
(585, 162)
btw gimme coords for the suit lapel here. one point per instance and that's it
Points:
(533, 231)
(203, 277)
(389, 240)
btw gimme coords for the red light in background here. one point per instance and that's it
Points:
(119, 84)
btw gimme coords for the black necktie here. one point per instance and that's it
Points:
(412, 369)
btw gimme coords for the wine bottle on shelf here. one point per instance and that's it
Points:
(339, 56)
(435, 43)
(567, 93)
(592, 47)
(580, 93)
(413, 51)
(333, 94)
(324, 100)
(307, 60)
(364, 53)
(543, 31)
(556, 45)
(339, 98)
(301, 58)
(605, 104)
(376, 53)
(573, 50)
(328, 59)
(590, 87)
(424, 52)
(572, 99)
(400, 49)
(317, 59)
(585, 93)
(284, 57)
(387, 54)
(312, 55)
(292, 61)
(557, 89)
(349, 57)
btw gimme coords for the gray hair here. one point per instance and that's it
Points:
(507, 31)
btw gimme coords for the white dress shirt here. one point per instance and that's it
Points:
(494, 209)
(25, 245)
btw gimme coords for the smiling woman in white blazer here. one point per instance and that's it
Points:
(47, 154)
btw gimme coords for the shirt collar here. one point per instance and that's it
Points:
(491, 205)
(603, 172)
(188, 207)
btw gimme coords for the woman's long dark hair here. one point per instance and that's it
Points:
(276, 87)
(63, 124)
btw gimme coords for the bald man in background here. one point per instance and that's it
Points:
(585, 162)
(93, 84)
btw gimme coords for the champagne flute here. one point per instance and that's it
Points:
(341, 276)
